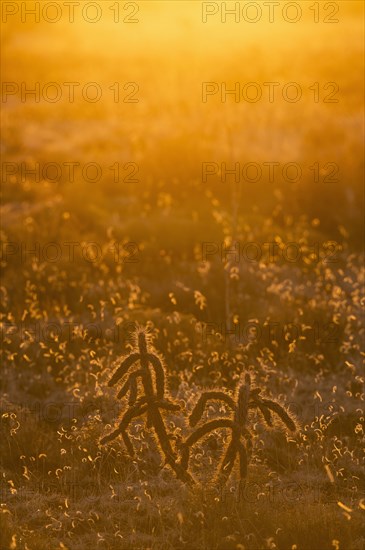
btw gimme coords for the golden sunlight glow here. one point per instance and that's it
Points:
(182, 259)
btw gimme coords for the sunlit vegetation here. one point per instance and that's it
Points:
(111, 440)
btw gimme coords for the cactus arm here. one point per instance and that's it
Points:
(111, 436)
(198, 410)
(266, 413)
(243, 398)
(133, 412)
(130, 385)
(159, 373)
(280, 412)
(127, 443)
(208, 427)
(198, 434)
(167, 405)
(124, 389)
(164, 441)
(123, 368)
(185, 456)
(243, 460)
(133, 388)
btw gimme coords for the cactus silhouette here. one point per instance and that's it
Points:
(152, 374)
(240, 443)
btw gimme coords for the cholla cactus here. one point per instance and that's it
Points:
(148, 367)
(240, 442)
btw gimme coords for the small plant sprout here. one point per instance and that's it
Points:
(145, 365)
(240, 443)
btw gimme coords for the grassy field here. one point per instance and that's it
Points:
(136, 193)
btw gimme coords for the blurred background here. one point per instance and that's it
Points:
(150, 133)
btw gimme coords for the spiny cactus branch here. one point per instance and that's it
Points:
(127, 443)
(280, 412)
(159, 373)
(243, 460)
(208, 427)
(130, 384)
(240, 443)
(148, 379)
(132, 412)
(152, 401)
(198, 410)
(126, 363)
(265, 413)
(164, 441)
(113, 435)
(167, 406)
(243, 402)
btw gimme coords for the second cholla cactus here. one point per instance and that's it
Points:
(144, 364)
(240, 443)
